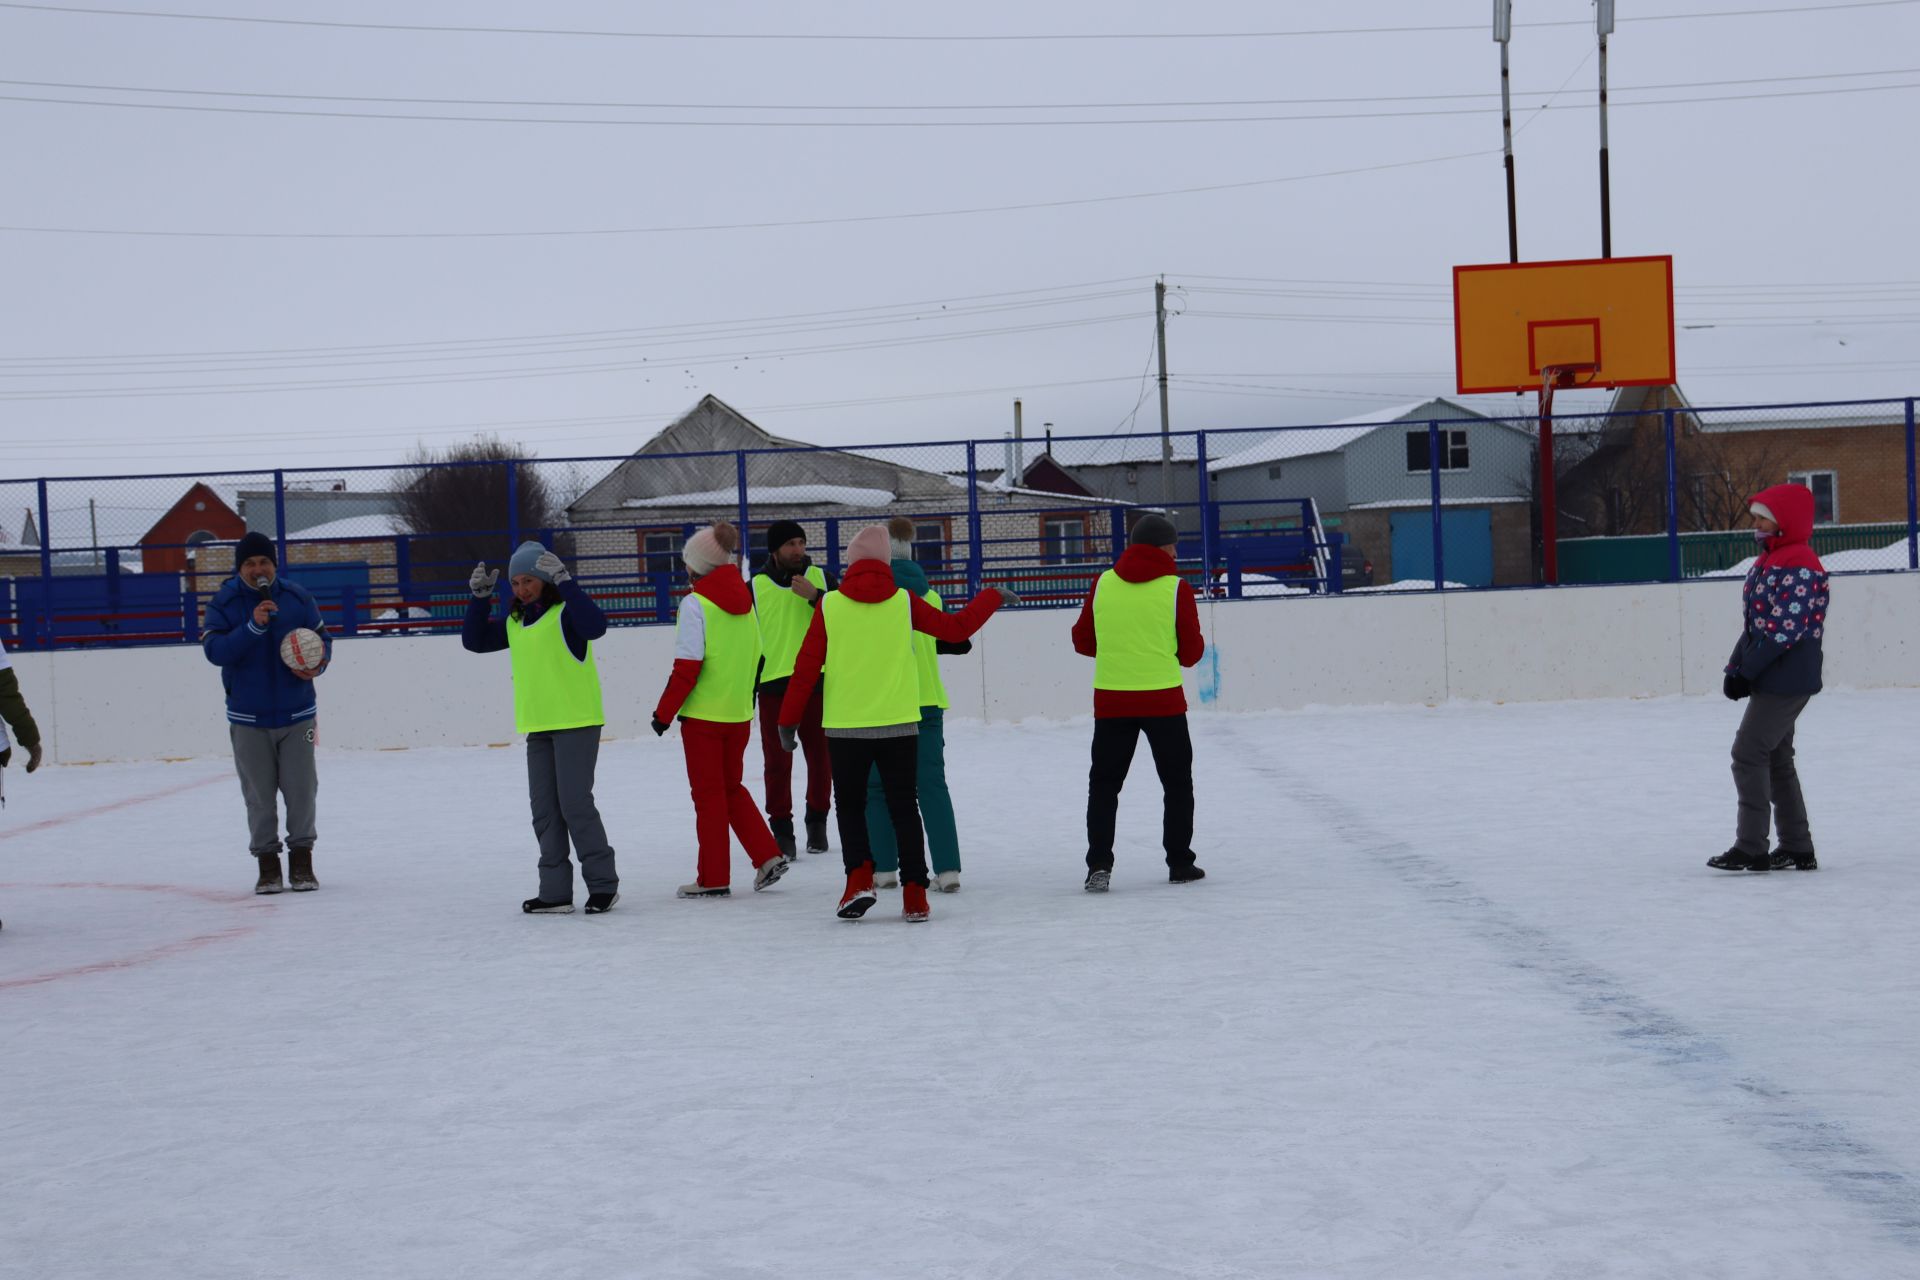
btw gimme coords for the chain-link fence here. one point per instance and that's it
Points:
(1419, 498)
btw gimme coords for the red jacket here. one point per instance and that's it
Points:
(1144, 564)
(726, 588)
(871, 582)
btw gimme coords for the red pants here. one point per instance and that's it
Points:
(813, 744)
(716, 757)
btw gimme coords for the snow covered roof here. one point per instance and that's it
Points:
(1305, 442)
(367, 526)
(1408, 504)
(793, 495)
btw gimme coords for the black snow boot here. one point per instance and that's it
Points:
(601, 903)
(1781, 860)
(300, 869)
(269, 881)
(1734, 860)
(545, 907)
(1185, 875)
(816, 832)
(782, 829)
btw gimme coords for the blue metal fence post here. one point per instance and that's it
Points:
(513, 507)
(833, 546)
(1209, 518)
(279, 518)
(47, 570)
(1433, 485)
(740, 474)
(975, 562)
(1913, 498)
(403, 572)
(1673, 501)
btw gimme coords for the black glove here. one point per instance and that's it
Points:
(789, 738)
(660, 730)
(1736, 686)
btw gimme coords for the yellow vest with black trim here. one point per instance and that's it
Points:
(1136, 638)
(552, 689)
(784, 619)
(926, 656)
(724, 691)
(872, 677)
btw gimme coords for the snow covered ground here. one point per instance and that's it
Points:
(1457, 999)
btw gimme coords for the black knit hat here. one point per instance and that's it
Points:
(254, 544)
(1153, 531)
(781, 532)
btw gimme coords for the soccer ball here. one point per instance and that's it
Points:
(303, 650)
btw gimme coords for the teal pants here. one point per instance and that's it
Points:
(936, 805)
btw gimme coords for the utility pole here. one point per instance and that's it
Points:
(1603, 25)
(93, 525)
(1166, 437)
(1503, 32)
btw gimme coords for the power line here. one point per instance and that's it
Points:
(1298, 118)
(909, 106)
(849, 219)
(888, 38)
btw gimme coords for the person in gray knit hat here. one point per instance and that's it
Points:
(1141, 625)
(549, 631)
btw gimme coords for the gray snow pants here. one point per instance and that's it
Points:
(560, 768)
(1764, 776)
(273, 763)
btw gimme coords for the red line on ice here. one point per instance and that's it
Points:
(47, 823)
(151, 954)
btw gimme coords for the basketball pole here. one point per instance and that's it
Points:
(1503, 33)
(1603, 26)
(1549, 516)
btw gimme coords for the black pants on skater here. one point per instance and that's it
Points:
(898, 761)
(1113, 743)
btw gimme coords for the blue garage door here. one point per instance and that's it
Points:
(1466, 543)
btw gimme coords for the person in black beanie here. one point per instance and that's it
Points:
(271, 710)
(786, 592)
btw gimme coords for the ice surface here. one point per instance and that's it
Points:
(1458, 999)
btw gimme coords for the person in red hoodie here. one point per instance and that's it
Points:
(1140, 625)
(1777, 665)
(716, 656)
(862, 638)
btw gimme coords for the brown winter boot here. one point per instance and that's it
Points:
(269, 881)
(300, 869)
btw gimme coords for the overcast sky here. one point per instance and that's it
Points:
(1311, 282)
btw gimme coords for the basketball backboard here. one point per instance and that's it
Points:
(1610, 317)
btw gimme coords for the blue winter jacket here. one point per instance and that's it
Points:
(261, 692)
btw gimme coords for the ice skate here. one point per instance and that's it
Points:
(1734, 860)
(947, 882)
(698, 890)
(1185, 875)
(816, 833)
(547, 907)
(782, 829)
(601, 903)
(769, 872)
(859, 895)
(886, 879)
(1781, 860)
(1097, 879)
(913, 902)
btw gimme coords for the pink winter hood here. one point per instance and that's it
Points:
(1792, 507)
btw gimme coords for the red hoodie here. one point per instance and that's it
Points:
(726, 588)
(871, 582)
(1141, 563)
(1792, 507)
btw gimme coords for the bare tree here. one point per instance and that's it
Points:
(463, 503)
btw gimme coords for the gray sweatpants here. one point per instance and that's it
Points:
(1764, 776)
(273, 763)
(560, 785)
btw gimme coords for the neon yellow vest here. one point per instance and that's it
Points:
(551, 690)
(784, 619)
(724, 692)
(1135, 636)
(872, 678)
(926, 656)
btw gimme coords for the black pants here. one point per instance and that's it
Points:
(898, 760)
(1113, 744)
(1765, 778)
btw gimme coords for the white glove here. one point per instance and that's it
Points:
(551, 565)
(481, 583)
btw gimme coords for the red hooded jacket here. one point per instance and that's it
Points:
(1141, 563)
(1784, 602)
(871, 582)
(725, 588)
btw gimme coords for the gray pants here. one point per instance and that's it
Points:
(273, 763)
(1764, 776)
(560, 784)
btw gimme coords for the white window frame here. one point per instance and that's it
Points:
(647, 552)
(1833, 488)
(1451, 438)
(1071, 548)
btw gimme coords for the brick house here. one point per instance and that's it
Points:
(200, 516)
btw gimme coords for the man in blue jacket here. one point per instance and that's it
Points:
(270, 707)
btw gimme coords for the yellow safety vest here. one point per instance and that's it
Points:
(926, 656)
(724, 691)
(1135, 634)
(784, 619)
(872, 677)
(552, 689)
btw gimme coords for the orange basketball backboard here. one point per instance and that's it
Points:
(1613, 315)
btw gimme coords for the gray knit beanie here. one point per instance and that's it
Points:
(1154, 531)
(522, 564)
